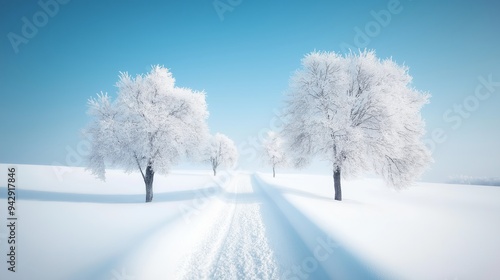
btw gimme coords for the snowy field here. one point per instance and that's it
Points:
(247, 226)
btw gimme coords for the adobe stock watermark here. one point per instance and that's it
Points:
(75, 156)
(456, 115)
(223, 6)
(204, 195)
(253, 144)
(30, 26)
(249, 149)
(122, 275)
(381, 19)
(322, 251)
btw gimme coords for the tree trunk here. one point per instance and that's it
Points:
(148, 180)
(215, 171)
(274, 172)
(336, 182)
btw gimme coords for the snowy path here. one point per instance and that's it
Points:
(195, 229)
(243, 235)
(235, 246)
(252, 227)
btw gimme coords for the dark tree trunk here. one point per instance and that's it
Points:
(148, 180)
(336, 183)
(215, 171)
(274, 172)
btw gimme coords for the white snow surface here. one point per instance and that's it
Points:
(242, 225)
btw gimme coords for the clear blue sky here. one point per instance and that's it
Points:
(243, 61)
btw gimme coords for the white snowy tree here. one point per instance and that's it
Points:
(222, 151)
(274, 151)
(359, 113)
(150, 126)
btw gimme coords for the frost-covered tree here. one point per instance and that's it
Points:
(221, 151)
(359, 113)
(150, 126)
(274, 151)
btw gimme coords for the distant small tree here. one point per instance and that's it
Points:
(274, 151)
(358, 112)
(222, 151)
(150, 126)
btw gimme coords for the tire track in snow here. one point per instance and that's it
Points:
(198, 262)
(246, 252)
(235, 246)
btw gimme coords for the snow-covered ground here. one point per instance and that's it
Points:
(247, 226)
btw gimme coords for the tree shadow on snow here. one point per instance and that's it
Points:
(286, 190)
(108, 198)
(104, 268)
(305, 194)
(284, 221)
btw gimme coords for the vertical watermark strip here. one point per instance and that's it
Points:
(11, 219)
